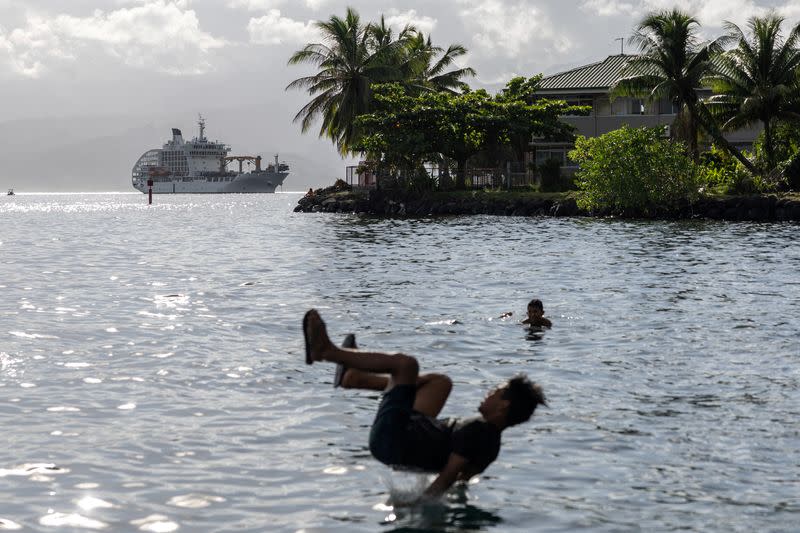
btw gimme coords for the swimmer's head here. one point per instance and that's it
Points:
(537, 305)
(523, 397)
(517, 399)
(535, 308)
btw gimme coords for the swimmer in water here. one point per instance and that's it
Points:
(406, 432)
(536, 315)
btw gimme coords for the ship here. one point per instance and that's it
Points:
(201, 166)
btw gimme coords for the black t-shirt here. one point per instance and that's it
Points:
(429, 442)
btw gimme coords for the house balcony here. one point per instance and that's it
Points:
(594, 125)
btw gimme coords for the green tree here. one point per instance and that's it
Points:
(756, 81)
(524, 114)
(424, 72)
(406, 130)
(351, 57)
(633, 171)
(672, 63)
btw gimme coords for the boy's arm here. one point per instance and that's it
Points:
(456, 464)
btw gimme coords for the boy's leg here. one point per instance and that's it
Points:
(432, 389)
(432, 393)
(361, 379)
(403, 369)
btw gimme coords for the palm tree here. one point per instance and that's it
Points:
(672, 63)
(757, 80)
(350, 58)
(423, 72)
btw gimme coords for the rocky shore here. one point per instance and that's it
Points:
(381, 203)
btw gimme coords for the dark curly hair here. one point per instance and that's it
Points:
(523, 396)
(536, 304)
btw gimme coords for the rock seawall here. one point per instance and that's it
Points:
(380, 203)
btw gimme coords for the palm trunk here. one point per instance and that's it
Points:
(707, 122)
(768, 147)
(693, 150)
(461, 174)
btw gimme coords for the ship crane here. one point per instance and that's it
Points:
(241, 159)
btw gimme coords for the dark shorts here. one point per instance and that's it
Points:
(387, 436)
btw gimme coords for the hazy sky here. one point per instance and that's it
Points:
(89, 85)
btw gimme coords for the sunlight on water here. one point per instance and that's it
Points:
(89, 503)
(194, 501)
(153, 378)
(9, 525)
(71, 520)
(156, 524)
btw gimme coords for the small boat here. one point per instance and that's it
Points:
(10, 192)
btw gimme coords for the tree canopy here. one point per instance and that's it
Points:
(407, 130)
(353, 56)
(757, 80)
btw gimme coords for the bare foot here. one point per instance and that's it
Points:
(316, 336)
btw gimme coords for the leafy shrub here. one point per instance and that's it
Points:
(633, 171)
(785, 144)
(791, 173)
(722, 173)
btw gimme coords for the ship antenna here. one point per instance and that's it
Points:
(202, 123)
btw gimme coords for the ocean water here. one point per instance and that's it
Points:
(152, 372)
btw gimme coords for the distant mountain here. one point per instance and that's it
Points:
(97, 153)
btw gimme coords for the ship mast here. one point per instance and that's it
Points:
(202, 123)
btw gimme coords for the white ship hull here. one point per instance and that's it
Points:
(251, 182)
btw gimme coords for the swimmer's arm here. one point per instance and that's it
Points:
(456, 464)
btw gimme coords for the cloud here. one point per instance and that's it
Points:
(274, 29)
(269, 5)
(608, 8)
(256, 5)
(510, 27)
(791, 10)
(710, 13)
(156, 34)
(397, 19)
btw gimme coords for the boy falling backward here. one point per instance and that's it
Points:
(406, 432)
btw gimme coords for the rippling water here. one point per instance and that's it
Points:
(152, 376)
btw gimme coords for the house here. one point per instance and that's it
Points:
(589, 85)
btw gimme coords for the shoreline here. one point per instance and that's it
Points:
(754, 208)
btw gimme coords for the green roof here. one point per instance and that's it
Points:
(598, 76)
(601, 76)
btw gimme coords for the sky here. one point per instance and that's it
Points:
(89, 85)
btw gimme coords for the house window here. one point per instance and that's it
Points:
(627, 106)
(667, 107)
(581, 100)
(559, 154)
